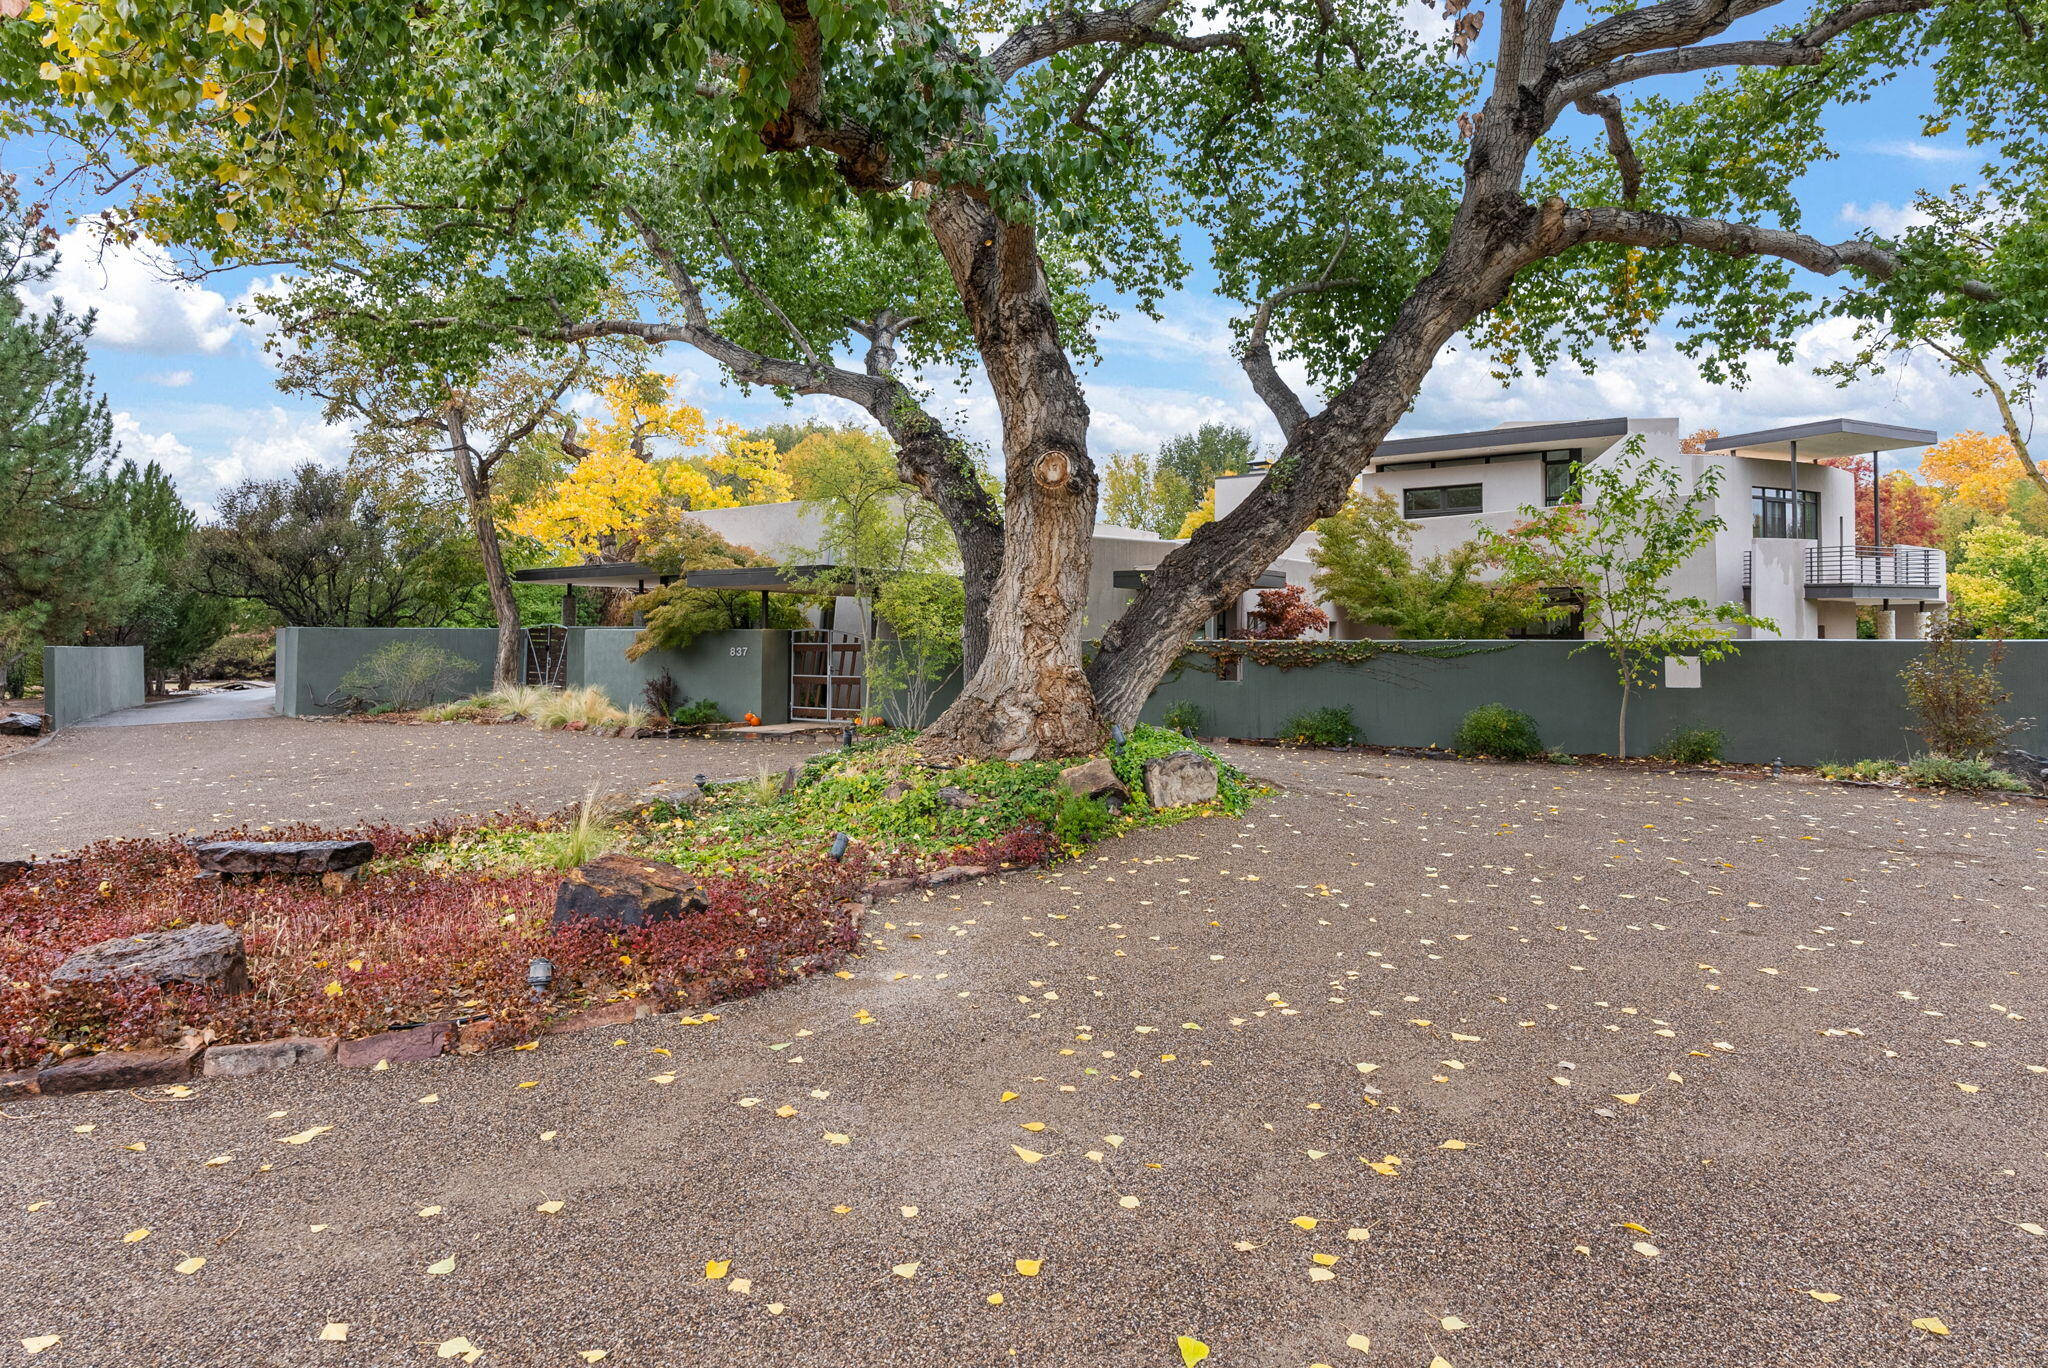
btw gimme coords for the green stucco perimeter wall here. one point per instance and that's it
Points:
(81, 682)
(741, 671)
(312, 660)
(1806, 702)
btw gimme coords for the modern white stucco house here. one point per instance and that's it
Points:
(1790, 558)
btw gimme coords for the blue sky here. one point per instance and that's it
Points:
(192, 389)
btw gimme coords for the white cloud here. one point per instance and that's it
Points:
(139, 308)
(170, 379)
(1919, 149)
(1886, 219)
(207, 447)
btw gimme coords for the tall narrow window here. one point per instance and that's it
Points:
(1560, 476)
(1773, 511)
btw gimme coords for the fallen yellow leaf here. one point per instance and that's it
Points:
(189, 1266)
(1326, 1260)
(1008, 1097)
(1362, 1343)
(1028, 1268)
(995, 1299)
(1646, 1249)
(1825, 1296)
(310, 1133)
(442, 1267)
(1031, 1125)
(1931, 1324)
(334, 1332)
(715, 1269)
(1305, 1222)
(141, 1233)
(549, 1208)
(1192, 1351)
(905, 1270)
(429, 1211)
(35, 1344)
(835, 1138)
(592, 1355)
(1028, 1156)
(1127, 1202)
(1453, 1323)
(1452, 1145)
(459, 1347)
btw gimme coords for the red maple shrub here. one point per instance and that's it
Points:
(1286, 615)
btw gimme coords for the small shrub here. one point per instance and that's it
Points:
(1080, 819)
(1321, 727)
(1693, 746)
(1558, 757)
(402, 676)
(1498, 730)
(1861, 769)
(702, 713)
(1184, 717)
(1957, 701)
(663, 695)
(1966, 774)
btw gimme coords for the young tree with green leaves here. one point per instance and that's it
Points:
(1366, 567)
(1619, 544)
(170, 617)
(1138, 493)
(781, 185)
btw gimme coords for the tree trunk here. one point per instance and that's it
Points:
(1030, 698)
(508, 668)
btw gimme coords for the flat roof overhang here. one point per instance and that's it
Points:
(1830, 437)
(1135, 579)
(626, 575)
(1493, 441)
(837, 580)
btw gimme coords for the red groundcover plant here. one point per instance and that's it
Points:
(403, 945)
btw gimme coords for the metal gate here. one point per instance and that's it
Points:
(825, 680)
(547, 656)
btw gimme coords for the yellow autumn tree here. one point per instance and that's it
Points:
(1202, 513)
(623, 475)
(1980, 468)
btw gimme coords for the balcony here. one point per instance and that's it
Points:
(1870, 574)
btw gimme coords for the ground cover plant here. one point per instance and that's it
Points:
(1321, 727)
(1693, 746)
(447, 919)
(408, 943)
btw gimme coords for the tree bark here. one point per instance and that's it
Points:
(1031, 697)
(508, 668)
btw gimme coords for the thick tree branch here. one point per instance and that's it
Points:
(1132, 24)
(1608, 110)
(1637, 228)
(761, 296)
(1587, 68)
(1257, 356)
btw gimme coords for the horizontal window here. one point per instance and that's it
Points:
(1772, 510)
(1440, 501)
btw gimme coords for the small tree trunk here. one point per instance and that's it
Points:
(507, 669)
(1621, 729)
(1030, 698)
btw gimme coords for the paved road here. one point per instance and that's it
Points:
(188, 779)
(213, 705)
(1701, 1041)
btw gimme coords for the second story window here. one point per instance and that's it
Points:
(1440, 501)
(1560, 476)
(1774, 517)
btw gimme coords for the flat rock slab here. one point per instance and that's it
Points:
(1180, 780)
(255, 1057)
(119, 1069)
(208, 956)
(1094, 779)
(619, 890)
(293, 858)
(21, 724)
(408, 1046)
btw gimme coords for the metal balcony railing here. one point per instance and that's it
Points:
(1912, 567)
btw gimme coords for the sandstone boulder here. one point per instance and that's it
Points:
(208, 956)
(303, 859)
(407, 1046)
(1180, 780)
(255, 1057)
(120, 1069)
(1095, 779)
(21, 724)
(621, 890)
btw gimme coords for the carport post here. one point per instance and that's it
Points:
(568, 605)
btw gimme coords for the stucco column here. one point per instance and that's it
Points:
(1912, 624)
(1887, 624)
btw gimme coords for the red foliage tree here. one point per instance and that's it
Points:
(1909, 506)
(1286, 614)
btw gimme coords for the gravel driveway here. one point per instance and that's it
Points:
(192, 778)
(1509, 1067)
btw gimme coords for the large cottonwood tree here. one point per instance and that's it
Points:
(822, 188)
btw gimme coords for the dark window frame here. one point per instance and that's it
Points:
(1569, 462)
(1412, 513)
(1773, 503)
